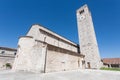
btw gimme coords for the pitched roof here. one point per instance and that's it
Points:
(6, 48)
(111, 60)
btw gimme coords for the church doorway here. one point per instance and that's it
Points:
(83, 64)
(88, 64)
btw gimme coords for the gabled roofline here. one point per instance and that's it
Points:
(65, 39)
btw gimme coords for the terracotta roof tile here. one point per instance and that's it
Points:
(111, 60)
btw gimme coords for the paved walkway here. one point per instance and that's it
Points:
(66, 75)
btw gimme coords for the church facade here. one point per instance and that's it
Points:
(42, 50)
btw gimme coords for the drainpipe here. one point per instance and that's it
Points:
(45, 59)
(45, 54)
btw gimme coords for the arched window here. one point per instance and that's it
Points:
(82, 11)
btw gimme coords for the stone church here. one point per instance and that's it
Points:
(42, 50)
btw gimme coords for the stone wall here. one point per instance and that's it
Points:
(6, 62)
(30, 55)
(45, 35)
(37, 56)
(7, 52)
(61, 60)
(87, 38)
(7, 56)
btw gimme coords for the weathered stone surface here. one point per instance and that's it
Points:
(6, 57)
(46, 52)
(42, 34)
(87, 38)
(62, 60)
(30, 56)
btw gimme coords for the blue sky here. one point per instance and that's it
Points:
(17, 16)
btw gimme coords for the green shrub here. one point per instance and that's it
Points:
(8, 65)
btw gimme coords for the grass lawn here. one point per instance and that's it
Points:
(112, 69)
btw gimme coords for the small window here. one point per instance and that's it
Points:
(82, 11)
(15, 53)
(2, 52)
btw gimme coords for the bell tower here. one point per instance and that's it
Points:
(87, 38)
